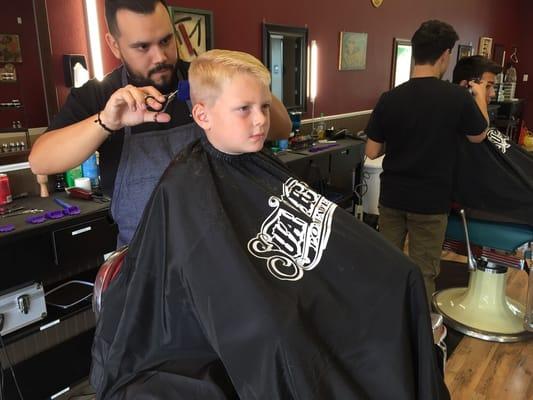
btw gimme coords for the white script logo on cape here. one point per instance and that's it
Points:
(294, 236)
(498, 139)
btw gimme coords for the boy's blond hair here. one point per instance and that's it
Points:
(209, 72)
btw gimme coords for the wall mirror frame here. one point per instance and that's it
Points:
(285, 55)
(402, 61)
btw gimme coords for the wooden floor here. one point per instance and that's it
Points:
(480, 370)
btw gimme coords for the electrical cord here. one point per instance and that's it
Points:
(361, 189)
(8, 364)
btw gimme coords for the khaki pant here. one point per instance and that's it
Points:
(426, 236)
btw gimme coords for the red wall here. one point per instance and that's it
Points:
(238, 26)
(29, 86)
(68, 35)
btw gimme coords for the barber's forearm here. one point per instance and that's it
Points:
(280, 123)
(61, 149)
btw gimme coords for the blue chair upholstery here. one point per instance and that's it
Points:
(502, 236)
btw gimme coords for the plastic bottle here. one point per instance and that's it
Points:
(319, 132)
(59, 184)
(90, 170)
(72, 174)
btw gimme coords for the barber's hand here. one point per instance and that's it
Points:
(478, 88)
(126, 107)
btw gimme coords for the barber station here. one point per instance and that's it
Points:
(279, 206)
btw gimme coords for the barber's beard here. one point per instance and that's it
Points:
(139, 80)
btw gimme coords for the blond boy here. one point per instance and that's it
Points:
(231, 100)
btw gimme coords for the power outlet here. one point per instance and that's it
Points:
(525, 78)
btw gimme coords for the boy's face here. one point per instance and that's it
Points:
(239, 119)
(490, 78)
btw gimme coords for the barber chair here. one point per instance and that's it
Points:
(482, 310)
(108, 271)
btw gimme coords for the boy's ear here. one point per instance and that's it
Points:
(112, 44)
(200, 116)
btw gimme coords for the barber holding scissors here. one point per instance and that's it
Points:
(126, 117)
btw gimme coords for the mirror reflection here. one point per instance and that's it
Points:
(402, 57)
(23, 104)
(285, 55)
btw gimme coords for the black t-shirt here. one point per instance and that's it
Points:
(421, 122)
(92, 97)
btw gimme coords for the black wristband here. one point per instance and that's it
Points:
(99, 121)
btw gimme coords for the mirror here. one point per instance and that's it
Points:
(402, 56)
(27, 95)
(285, 55)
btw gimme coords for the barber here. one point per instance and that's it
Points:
(135, 140)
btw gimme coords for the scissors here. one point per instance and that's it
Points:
(168, 98)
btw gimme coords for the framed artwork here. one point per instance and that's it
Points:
(402, 61)
(10, 48)
(194, 31)
(485, 46)
(8, 73)
(464, 50)
(499, 54)
(352, 51)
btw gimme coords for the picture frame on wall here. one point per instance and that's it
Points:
(485, 46)
(194, 31)
(464, 50)
(10, 51)
(352, 51)
(402, 61)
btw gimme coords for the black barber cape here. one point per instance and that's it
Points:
(495, 176)
(242, 283)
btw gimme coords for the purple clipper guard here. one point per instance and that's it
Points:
(7, 228)
(56, 214)
(36, 219)
(71, 210)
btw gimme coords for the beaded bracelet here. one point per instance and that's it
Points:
(99, 121)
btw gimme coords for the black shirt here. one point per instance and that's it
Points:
(92, 97)
(421, 121)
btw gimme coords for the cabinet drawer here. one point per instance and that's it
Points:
(90, 239)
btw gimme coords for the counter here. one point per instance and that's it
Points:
(51, 354)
